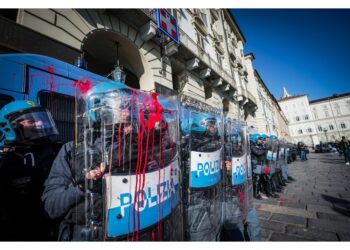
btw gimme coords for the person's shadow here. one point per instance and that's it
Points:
(341, 206)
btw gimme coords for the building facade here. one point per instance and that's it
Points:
(208, 64)
(332, 117)
(269, 118)
(282, 129)
(300, 119)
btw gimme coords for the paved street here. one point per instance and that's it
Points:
(314, 207)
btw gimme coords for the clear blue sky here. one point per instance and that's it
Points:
(305, 50)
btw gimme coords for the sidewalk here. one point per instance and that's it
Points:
(314, 207)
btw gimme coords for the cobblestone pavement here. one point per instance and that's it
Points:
(315, 207)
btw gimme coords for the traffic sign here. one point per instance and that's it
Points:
(168, 24)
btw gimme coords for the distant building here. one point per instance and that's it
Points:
(332, 117)
(300, 119)
(326, 119)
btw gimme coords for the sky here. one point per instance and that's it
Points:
(305, 50)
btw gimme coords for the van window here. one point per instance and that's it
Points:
(62, 110)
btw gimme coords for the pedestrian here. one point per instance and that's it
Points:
(302, 151)
(344, 146)
(26, 156)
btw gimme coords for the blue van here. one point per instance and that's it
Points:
(47, 82)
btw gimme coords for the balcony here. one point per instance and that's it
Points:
(199, 52)
(199, 23)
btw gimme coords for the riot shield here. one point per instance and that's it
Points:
(252, 228)
(201, 152)
(269, 169)
(127, 148)
(284, 152)
(235, 178)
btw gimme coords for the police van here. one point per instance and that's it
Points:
(47, 82)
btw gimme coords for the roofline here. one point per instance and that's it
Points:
(250, 55)
(236, 29)
(290, 97)
(334, 96)
(266, 88)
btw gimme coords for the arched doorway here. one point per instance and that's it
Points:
(102, 53)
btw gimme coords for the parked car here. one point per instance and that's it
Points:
(322, 148)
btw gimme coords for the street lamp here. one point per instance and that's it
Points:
(118, 73)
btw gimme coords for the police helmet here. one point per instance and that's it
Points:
(255, 137)
(105, 102)
(273, 137)
(24, 122)
(264, 136)
(201, 122)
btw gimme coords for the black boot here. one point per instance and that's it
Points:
(291, 178)
(269, 189)
(256, 183)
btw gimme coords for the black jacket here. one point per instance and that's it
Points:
(344, 144)
(258, 154)
(23, 171)
(62, 195)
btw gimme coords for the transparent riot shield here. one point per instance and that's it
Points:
(235, 180)
(271, 156)
(201, 152)
(283, 162)
(127, 150)
(252, 228)
(269, 167)
(281, 155)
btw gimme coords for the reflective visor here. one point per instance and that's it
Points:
(33, 124)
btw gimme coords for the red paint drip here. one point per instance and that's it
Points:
(154, 118)
(281, 201)
(241, 196)
(266, 170)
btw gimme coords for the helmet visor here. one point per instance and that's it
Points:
(33, 125)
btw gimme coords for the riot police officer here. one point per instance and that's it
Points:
(258, 159)
(26, 155)
(123, 146)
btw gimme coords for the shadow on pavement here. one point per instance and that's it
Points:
(333, 161)
(339, 205)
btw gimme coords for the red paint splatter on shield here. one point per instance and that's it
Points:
(84, 85)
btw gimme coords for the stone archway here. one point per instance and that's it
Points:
(100, 50)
